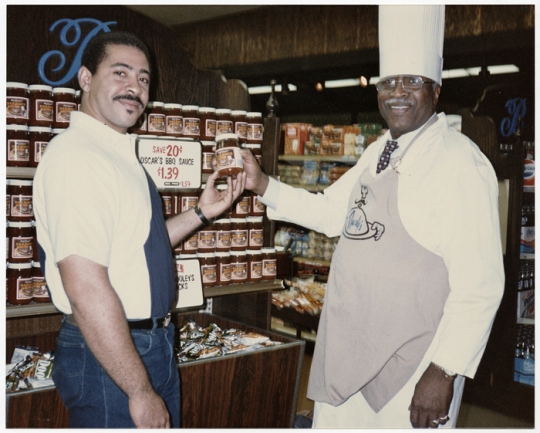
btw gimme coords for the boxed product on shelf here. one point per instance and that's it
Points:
(524, 371)
(310, 173)
(353, 141)
(294, 137)
(370, 131)
(525, 304)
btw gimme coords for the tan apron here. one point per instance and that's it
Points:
(384, 301)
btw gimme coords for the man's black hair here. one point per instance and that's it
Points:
(96, 50)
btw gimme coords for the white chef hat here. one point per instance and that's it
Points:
(411, 40)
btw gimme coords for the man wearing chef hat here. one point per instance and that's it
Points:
(417, 276)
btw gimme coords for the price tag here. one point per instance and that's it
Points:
(172, 164)
(190, 292)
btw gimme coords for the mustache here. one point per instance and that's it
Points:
(129, 98)
(398, 101)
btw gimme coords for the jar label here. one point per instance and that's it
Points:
(44, 110)
(63, 111)
(192, 243)
(207, 238)
(174, 124)
(16, 107)
(225, 271)
(40, 288)
(18, 150)
(229, 157)
(256, 237)
(238, 271)
(255, 131)
(239, 238)
(270, 267)
(224, 127)
(188, 202)
(21, 248)
(258, 207)
(25, 288)
(208, 273)
(192, 126)
(224, 239)
(39, 149)
(256, 269)
(21, 206)
(241, 129)
(242, 206)
(156, 122)
(210, 128)
(207, 158)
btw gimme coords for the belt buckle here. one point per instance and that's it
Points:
(167, 320)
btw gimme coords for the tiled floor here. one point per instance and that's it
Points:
(469, 417)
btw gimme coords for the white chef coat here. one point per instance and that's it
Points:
(448, 203)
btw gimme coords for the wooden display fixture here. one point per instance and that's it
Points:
(257, 389)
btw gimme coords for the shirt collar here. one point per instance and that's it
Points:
(102, 134)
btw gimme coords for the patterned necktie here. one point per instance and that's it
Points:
(385, 156)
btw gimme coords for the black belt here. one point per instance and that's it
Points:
(147, 324)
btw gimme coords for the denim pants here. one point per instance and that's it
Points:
(92, 398)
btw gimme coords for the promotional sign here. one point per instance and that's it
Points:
(190, 292)
(172, 163)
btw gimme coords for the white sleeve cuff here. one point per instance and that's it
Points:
(271, 195)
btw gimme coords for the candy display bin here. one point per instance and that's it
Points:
(257, 389)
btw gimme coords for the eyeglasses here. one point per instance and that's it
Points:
(410, 83)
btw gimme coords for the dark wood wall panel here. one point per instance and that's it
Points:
(276, 33)
(176, 79)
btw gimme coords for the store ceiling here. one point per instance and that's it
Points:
(174, 15)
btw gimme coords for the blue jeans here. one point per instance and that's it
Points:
(92, 398)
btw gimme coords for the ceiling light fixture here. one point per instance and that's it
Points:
(319, 87)
(257, 90)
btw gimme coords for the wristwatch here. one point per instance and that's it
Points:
(447, 372)
(201, 216)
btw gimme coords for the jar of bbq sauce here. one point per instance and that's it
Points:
(239, 264)
(192, 121)
(17, 146)
(17, 103)
(41, 105)
(255, 128)
(207, 117)
(21, 208)
(40, 292)
(208, 269)
(224, 124)
(20, 283)
(228, 156)
(40, 137)
(240, 126)
(223, 234)
(174, 122)
(223, 267)
(255, 232)
(156, 118)
(254, 265)
(64, 104)
(269, 259)
(20, 237)
(239, 234)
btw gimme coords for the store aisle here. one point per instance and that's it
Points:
(470, 416)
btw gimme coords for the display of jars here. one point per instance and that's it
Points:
(41, 105)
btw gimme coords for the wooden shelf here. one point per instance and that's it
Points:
(20, 172)
(36, 309)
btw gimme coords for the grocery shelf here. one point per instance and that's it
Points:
(36, 309)
(20, 172)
